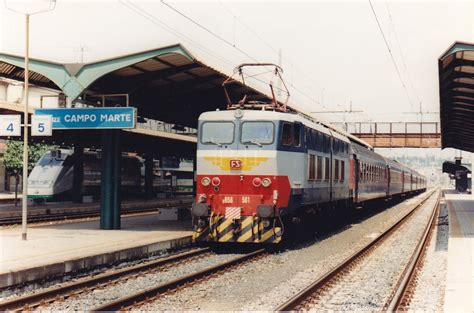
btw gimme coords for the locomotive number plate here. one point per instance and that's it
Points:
(235, 164)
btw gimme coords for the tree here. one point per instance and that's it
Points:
(13, 159)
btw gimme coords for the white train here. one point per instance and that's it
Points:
(52, 176)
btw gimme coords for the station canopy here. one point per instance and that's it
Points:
(456, 90)
(167, 84)
(452, 167)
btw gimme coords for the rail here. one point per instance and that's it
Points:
(30, 302)
(302, 298)
(87, 212)
(134, 300)
(400, 298)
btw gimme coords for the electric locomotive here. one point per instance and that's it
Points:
(261, 168)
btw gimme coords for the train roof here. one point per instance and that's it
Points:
(259, 115)
(367, 153)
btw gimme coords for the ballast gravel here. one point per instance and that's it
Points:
(369, 284)
(263, 284)
(98, 297)
(268, 282)
(431, 282)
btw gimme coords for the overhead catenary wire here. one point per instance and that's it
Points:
(410, 81)
(195, 22)
(391, 54)
(209, 31)
(275, 50)
(138, 10)
(150, 17)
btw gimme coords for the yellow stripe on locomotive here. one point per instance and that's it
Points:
(248, 229)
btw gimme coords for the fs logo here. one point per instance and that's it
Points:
(235, 164)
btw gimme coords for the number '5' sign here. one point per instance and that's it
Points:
(41, 125)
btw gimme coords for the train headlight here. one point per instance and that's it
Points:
(256, 182)
(266, 182)
(205, 181)
(216, 181)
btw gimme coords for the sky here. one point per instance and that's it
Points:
(333, 52)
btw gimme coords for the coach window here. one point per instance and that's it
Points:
(319, 168)
(286, 134)
(342, 171)
(311, 168)
(326, 169)
(362, 175)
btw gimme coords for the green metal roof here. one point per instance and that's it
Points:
(73, 79)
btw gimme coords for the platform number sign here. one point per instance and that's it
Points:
(41, 125)
(10, 125)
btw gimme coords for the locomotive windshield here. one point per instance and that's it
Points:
(217, 133)
(49, 160)
(258, 133)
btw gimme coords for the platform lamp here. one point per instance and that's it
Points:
(27, 12)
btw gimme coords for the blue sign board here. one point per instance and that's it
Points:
(91, 118)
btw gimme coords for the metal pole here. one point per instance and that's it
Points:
(24, 202)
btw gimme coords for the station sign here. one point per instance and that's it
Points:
(10, 125)
(91, 118)
(41, 125)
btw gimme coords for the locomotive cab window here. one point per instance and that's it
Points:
(297, 134)
(286, 135)
(217, 133)
(257, 133)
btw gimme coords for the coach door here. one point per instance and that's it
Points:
(356, 171)
(331, 166)
(387, 176)
(403, 181)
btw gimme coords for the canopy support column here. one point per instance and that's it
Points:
(110, 179)
(149, 175)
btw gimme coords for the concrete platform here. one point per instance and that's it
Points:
(459, 296)
(58, 249)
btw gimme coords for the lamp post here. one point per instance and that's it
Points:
(24, 200)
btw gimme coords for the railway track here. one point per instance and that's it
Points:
(399, 298)
(153, 293)
(30, 302)
(89, 284)
(64, 216)
(401, 295)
